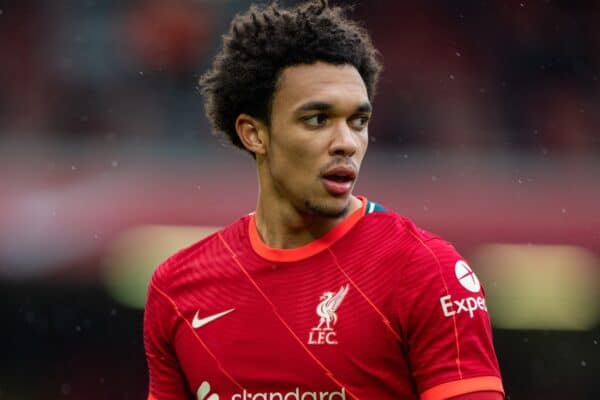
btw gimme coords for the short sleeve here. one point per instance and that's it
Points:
(166, 378)
(441, 306)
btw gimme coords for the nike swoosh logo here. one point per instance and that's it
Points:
(200, 322)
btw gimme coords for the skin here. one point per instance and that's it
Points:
(319, 119)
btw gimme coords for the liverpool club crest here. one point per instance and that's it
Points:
(324, 332)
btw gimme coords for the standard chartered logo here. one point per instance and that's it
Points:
(204, 390)
(293, 395)
(297, 394)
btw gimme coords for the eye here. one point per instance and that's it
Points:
(315, 120)
(359, 122)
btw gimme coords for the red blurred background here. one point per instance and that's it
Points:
(486, 130)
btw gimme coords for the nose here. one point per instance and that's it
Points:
(344, 141)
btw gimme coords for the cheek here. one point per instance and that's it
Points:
(294, 161)
(293, 147)
(362, 141)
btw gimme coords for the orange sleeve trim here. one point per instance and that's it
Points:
(455, 388)
(308, 250)
(150, 397)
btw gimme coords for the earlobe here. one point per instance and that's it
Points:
(249, 131)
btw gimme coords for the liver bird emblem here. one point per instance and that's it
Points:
(330, 302)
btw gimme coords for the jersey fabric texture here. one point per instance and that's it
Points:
(374, 309)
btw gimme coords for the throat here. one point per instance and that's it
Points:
(287, 228)
(287, 236)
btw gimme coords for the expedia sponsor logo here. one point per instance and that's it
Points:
(467, 305)
(466, 277)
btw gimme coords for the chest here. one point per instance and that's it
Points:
(315, 327)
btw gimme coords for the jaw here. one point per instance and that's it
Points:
(322, 210)
(306, 196)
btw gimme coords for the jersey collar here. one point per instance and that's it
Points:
(308, 250)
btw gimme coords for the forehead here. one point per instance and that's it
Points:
(339, 85)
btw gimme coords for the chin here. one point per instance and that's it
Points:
(328, 209)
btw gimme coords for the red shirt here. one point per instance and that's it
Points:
(375, 309)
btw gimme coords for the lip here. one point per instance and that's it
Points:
(342, 170)
(337, 188)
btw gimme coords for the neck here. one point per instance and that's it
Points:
(283, 226)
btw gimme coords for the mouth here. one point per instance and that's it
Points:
(338, 181)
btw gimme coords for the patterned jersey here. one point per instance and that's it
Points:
(374, 309)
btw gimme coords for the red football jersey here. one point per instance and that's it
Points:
(375, 309)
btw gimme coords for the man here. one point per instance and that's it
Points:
(319, 294)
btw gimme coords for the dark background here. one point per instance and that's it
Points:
(486, 130)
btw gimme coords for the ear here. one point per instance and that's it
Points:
(252, 133)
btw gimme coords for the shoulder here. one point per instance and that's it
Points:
(430, 267)
(191, 259)
(422, 251)
(381, 218)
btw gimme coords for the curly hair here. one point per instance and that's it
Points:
(263, 41)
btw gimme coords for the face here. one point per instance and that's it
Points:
(317, 138)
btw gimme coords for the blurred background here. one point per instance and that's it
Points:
(486, 130)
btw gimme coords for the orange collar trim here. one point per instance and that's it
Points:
(308, 250)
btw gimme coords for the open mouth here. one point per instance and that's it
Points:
(339, 178)
(338, 181)
(340, 173)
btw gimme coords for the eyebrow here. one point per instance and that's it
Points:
(324, 106)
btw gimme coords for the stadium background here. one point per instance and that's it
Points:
(486, 131)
